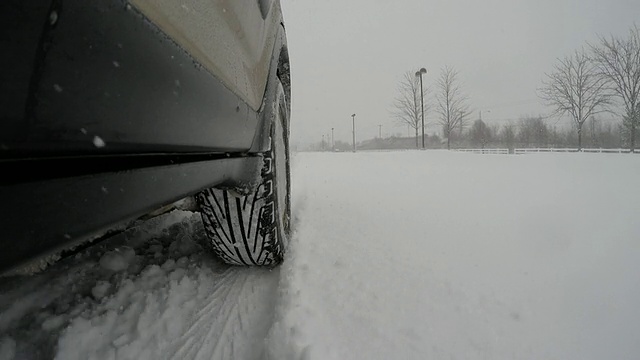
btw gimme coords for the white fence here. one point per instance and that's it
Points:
(484, 151)
(612, 151)
(543, 150)
(565, 150)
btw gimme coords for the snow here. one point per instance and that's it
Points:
(433, 254)
(101, 289)
(157, 297)
(53, 17)
(118, 259)
(7, 348)
(98, 142)
(394, 255)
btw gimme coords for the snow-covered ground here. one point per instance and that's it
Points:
(150, 293)
(395, 255)
(438, 255)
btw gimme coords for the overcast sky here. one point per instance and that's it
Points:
(347, 56)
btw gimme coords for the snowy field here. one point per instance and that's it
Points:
(438, 255)
(395, 255)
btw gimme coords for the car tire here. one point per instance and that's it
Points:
(253, 229)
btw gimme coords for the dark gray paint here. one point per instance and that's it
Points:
(45, 216)
(105, 71)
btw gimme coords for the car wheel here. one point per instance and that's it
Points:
(254, 229)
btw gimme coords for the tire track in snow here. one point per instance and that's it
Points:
(218, 350)
(172, 302)
(194, 336)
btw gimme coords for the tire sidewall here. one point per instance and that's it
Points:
(279, 149)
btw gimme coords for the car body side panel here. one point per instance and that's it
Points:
(21, 25)
(51, 215)
(278, 75)
(228, 37)
(106, 81)
(129, 120)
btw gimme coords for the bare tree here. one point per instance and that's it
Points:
(480, 133)
(618, 59)
(407, 105)
(508, 136)
(451, 103)
(575, 88)
(533, 132)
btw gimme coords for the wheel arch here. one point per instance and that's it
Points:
(279, 73)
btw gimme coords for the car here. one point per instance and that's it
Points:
(114, 111)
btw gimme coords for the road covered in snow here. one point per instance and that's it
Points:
(439, 255)
(395, 255)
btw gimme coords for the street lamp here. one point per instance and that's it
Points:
(333, 143)
(353, 118)
(483, 129)
(419, 73)
(481, 113)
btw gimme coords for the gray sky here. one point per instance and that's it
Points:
(347, 56)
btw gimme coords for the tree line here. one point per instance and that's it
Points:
(526, 132)
(603, 77)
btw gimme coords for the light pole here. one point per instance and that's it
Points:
(353, 118)
(333, 143)
(419, 73)
(483, 129)
(481, 113)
